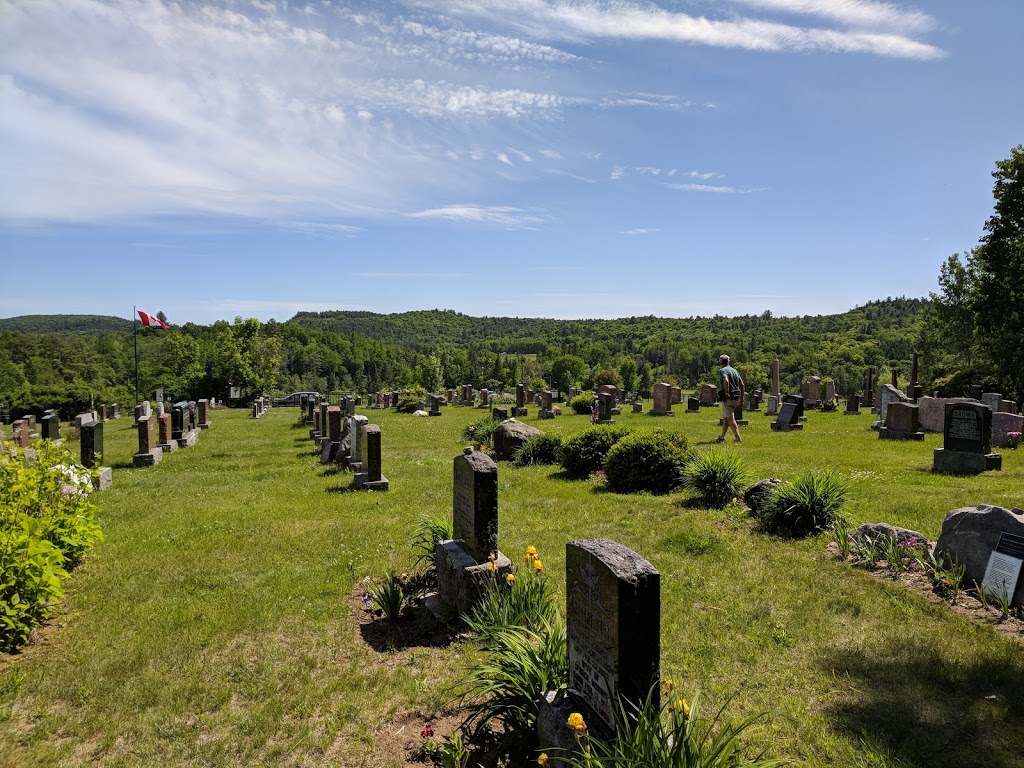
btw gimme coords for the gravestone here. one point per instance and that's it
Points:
(91, 447)
(869, 390)
(662, 400)
(329, 448)
(798, 401)
(916, 390)
(520, 409)
(545, 411)
(310, 409)
(638, 407)
(372, 479)
(692, 404)
(788, 419)
(50, 426)
(357, 441)
(966, 441)
(888, 395)
(932, 411)
(604, 408)
(978, 538)
(772, 409)
(993, 400)
(159, 408)
(138, 413)
(204, 414)
(150, 453)
(102, 413)
(463, 564)
(901, 423)
(812, 392)
(435, 405)
(613, 626)
(675, 395)
(164, 431)
(467, 394)
(485, 398)
(852, 405)
(499, 413)
(22, 433)
(708, 394)
(115, 410)
(829, 403)
(1003, 425)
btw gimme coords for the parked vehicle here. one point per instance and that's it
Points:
(293, 399)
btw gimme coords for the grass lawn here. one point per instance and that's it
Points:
(216, 624)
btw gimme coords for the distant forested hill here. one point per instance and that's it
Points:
(65, 324)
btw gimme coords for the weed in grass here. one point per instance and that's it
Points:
(388, 597)
(427, 533)
(842, 537)
(717, 477)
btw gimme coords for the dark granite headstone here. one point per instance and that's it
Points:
(91, 444)
(692, 404)
(475, 504)
(968, 428)
(179, 420)
(853, 405)
(50, 425)
(613, 623)
(796, 400)
(604, 408)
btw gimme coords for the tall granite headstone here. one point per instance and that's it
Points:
(149, 453)
(966, 441)
(372, 479)
(662, 400)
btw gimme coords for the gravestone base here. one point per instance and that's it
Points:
(616, 411)
(876, 425)
(776, 427)
(461, 579)
(802, 418)
(553, 735)
(812, 405)
(964, 462)
(170, 447)
(739, 422)
(605, 421)
(828, 407)
(884, 433)
(433, 413)
(104, 480)
(355, 466)
(205, 425)
(313, 434)
(666, 413)
(542, 415)
(519, 413)
(361, 483)
(188, 439)
(148, 459)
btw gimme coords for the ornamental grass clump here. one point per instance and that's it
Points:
(388, 597)
(523, 598)
(427, 533)
(542, 449)
(480, 432)
(716, 477)
(582, 404)
(805, 506)
(674, 735)
(649, 460)
(584, 453)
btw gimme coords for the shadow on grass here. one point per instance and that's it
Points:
(417, 628)
(308, 453)
(342, 488)
(695, 502)
(933, 710)
(122, 464)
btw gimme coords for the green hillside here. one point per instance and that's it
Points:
(65, 324)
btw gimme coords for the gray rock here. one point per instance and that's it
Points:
(509, 437)
(970, 534)
(758, 493)
(875, 531)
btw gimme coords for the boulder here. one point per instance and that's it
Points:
(756, 494)
(509, 436)
(903, 536)
(970, 534)
(558, 411)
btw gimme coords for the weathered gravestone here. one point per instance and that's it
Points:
(357, 441)
(692, 404)
(852, 405)
(102, 413)
(115, 410)
(613, 626)
(989, 542)
(1003, 425)
(675, 395)
(662, 400)
(149, 453)
(164, 431)
(520, 409)
(604, 408)
(204, 414)
(887, 396)
(966, 441)
(811, 391)
(485, 398)
(499, 413)
(545, 411)
(772, 409)
(798, 401)
(788, 419)
(829, 403)
(708, 394)
(372, 479)
(91, 447)
(901, 423)
(932, 411)
(993, 400)
(638, 407)
(22, 433)
(463, 562)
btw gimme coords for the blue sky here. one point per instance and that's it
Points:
(496, 157)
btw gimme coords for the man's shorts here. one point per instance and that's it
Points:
(729, 408)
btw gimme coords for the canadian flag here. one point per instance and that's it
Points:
(151, 321)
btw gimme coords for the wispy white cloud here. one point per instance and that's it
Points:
(589, 20)
(320, 228)
(559, 172)
(639, 231)
(550, 154)
(861, 13)
(506, 216)
(703, 175)
(717, 189)
(652, 100)
(503, 158)
(617, 173)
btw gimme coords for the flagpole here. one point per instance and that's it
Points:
(135, 341)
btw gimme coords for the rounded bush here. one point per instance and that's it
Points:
(717, 477)
(542, 449)
(582, 404)
(809, 504)
(584, 452)
(650, 460)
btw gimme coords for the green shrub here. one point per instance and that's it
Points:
(809, 504)
(409, 404)
(542, 449)
(649, 460)
(47, 524)
(584, 452)
(717, 477)
(480, 432)
(502, 400)
(583, 404)
(676, 735)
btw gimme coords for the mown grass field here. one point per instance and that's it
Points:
(216, 623)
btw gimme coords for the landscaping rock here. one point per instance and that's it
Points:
(756, 494)
(970, 534)
(875, 531)
(509, 437)
(556, 410)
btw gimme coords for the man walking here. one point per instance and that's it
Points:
(730, 392)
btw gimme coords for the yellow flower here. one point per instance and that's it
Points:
(669, 685)
(492, 567)
(492, 557)
(575, 722)
(538, 566)
(531, 551)
(543, 760)
(510, 578)
(683, 707)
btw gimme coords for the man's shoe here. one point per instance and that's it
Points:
(719, 439)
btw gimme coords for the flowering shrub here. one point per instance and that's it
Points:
(47, 524)
(1013, 439)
